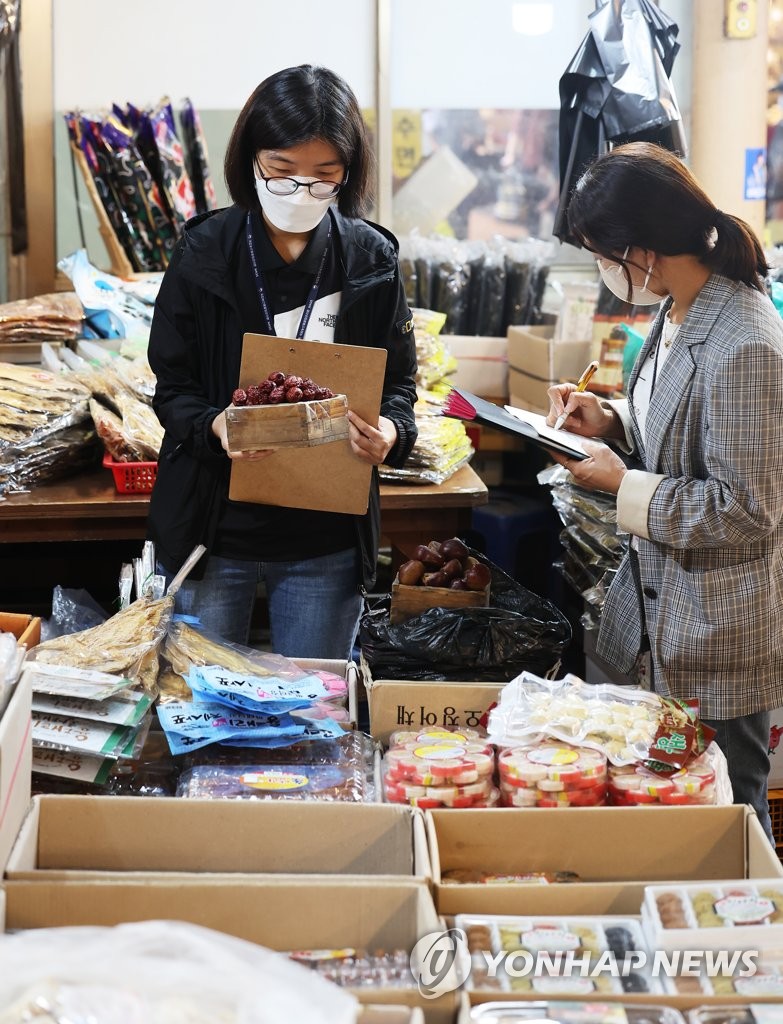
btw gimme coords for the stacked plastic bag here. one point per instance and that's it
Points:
(481, 287)
(443, 445)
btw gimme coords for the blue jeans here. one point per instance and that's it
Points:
(745, 742)
(314, 604)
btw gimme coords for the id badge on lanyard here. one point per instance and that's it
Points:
(263, 298)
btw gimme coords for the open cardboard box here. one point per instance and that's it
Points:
(347, 670)
(16, 764)
(26, 628)
(390, 1015)
(414, 704)
(93, 838)
(616, 850)
(282, 914)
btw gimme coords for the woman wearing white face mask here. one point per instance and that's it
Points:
(701, 588)
(289, 258)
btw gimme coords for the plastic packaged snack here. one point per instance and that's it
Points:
(460, 876)
(745, 914)
(552, 774)
(254, 781)
(358, 968)
(550, 947)
(635, 784)
(621, 721)
(747, 1014)
(579, 1013)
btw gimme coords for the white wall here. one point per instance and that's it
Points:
(215, 53)
(466, 54)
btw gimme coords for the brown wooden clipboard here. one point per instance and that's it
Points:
(326, 477)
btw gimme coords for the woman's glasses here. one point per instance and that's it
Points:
(317, 189)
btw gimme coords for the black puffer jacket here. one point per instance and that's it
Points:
(195, 351)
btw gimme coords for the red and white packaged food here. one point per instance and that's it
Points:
(634, 784)
(439, 768)
(552, 774)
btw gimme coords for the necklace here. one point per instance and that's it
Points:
(669, 332)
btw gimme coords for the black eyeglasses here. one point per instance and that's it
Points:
(317, 189)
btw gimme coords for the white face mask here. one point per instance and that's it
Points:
(298, 213)
(614, 278)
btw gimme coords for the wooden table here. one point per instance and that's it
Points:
(87, 507)
(77, 532)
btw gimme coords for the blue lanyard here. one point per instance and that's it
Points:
(262, 296)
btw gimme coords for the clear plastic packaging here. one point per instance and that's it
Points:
(716, 916)
(158, 972)
(747, 1014)
(630, 785)
(333, 769)
(561, 943)
(552, 774)
(621, 721)
(578, 1013)
(125, 644)
(439, 768)
(358, 968)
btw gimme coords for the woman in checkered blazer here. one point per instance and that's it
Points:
(701, 588)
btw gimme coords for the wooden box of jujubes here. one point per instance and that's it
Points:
(303, 424)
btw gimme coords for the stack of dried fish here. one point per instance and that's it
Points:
(52, 318)
(45, 428)
(127, 644)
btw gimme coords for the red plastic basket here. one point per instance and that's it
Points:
(132, 477)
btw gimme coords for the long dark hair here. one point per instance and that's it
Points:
(641, 195)
(294, 106)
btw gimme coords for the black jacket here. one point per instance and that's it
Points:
(195, 351)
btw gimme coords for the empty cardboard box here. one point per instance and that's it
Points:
(536, 362)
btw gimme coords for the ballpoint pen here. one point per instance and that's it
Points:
(581, 384)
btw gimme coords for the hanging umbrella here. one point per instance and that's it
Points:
(617, 89)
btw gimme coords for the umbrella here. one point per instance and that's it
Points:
(617, 89)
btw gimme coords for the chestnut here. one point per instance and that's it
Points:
(478, 576)
(424, 554)
(435, 545)
(458, 585)
(454, 548)
(435, 579)
(452, 569)
(411, 572)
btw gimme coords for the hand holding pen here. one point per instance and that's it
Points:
(581, 384)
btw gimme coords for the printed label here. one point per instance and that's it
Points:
(276, 782)
(741, 910)
(549, 940)
(439, 753)
(559, 755)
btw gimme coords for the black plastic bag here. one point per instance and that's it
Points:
(520, 631)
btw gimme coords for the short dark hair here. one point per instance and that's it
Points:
(642, 195)
(298, 105)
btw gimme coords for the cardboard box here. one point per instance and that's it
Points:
(287, 914)
(482, 364)
(615, 850)
(26, 628)
(16, 765)
(73, 837)
(300, 424)
(390, 1015)
(536, 362)
(412, 704)
(347, 670)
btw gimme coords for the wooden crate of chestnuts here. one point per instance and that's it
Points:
(441, 574)
(283, 411)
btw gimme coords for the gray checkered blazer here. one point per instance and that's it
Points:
(712, 565)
